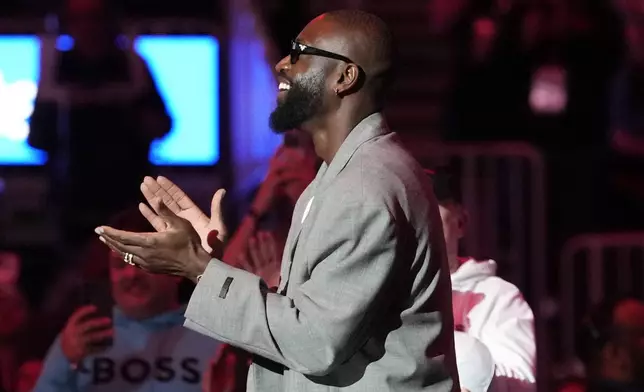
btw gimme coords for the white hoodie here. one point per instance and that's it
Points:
(494, 311)
(474, 363)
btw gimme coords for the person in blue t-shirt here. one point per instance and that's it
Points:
(142, 346)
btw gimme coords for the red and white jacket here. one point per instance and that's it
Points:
(493, 311)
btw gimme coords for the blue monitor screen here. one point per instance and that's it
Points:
(19, 73)
(187, 74)
(186, 70)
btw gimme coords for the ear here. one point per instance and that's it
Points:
(350, 80)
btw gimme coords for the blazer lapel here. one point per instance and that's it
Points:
(369, 128)
(296, 228)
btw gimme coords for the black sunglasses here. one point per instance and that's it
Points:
(298, 48)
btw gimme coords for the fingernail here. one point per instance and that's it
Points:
(98, 230)
(102, 240)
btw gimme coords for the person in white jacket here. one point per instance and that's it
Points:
(474, 363)
(485, 306)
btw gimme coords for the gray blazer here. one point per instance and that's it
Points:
(364, 302)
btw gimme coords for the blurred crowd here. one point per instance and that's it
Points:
(562, 76)
(197, 9)
(566, 76)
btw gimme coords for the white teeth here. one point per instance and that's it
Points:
(284, 86)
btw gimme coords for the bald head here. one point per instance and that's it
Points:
(362, 37)
(370, 41)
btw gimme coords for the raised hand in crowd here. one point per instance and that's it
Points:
(83, 334)
(263, 258)
(290, 171)
(227, 371)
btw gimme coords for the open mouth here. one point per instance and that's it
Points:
(284, 86)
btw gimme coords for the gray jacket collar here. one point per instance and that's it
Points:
(369, 128)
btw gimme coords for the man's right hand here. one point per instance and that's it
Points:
(180, 204)
(82, 334)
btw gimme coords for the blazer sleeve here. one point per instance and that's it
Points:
(320, 324)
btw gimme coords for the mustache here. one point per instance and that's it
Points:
(282, 75)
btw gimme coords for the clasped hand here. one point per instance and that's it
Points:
(185, 239)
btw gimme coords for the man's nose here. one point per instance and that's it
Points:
(283, 65)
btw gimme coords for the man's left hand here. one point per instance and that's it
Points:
(175, 249)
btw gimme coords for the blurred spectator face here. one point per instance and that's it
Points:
(629, 7)
(9, 269)
(484, 34)
(298, 139)
(28, 375)
(88, 25)
(572, 387)
(443, 14)
(454, 219)
(548, 93)
(13, 309)
(628, 349)
(139, 294)
(635, 40)
(504, 6)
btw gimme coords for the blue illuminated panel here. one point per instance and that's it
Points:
(19, 73)
(185, 68)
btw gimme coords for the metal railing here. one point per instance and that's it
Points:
(592, 266)
(503, 188)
